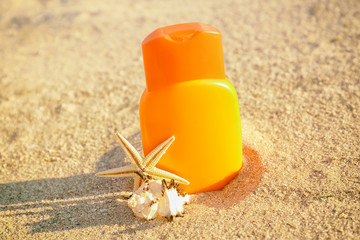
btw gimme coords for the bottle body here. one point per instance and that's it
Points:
(204, 117)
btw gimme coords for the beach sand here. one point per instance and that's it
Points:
(71, 76)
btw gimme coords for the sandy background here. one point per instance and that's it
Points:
(71, 75)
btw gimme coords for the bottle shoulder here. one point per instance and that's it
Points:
(195, 85)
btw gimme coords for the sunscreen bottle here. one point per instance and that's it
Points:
(188, 96)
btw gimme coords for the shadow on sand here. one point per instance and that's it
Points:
(85, 200)
(75, 202)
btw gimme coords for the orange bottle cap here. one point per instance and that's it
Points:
(182, 52)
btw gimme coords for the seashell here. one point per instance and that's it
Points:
(155, 197)
(144, 205)
(171, 203)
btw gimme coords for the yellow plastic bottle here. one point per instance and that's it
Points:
(188, 96)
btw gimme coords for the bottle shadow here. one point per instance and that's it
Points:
(83, 201)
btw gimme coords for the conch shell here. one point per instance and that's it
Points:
(157, 198)
(171, 203)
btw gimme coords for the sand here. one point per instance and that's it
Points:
(71, 75)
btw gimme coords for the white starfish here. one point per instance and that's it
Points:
(140, 168)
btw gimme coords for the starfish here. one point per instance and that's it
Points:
(143, 168)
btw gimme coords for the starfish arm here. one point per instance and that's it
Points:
(161, 174)
(154, 156)
(137, 182)
(131, 151)
(126, 171)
